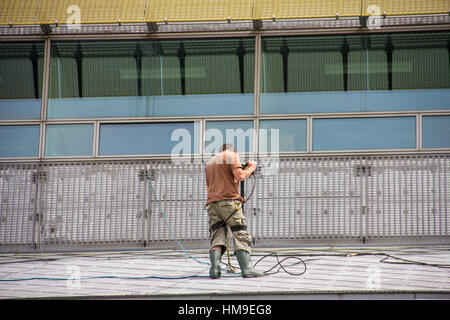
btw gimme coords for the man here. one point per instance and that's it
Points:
(224, 204)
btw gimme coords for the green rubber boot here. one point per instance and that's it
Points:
(245, 263)
(214, 271)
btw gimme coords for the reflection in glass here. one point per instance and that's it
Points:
(238, 133)
(291, 135)
(355, 73)
(90, 79)
(19, 141)
(21, 69)
(176, 139)
(436, 132)
(69, 139)
(364, 133)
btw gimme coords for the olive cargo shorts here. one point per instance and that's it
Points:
(221, 210)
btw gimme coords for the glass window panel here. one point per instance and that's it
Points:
(291, 135)
(21, 71)
(342, 73)
(238, 133)
(364, 133)
(436, 132)
(149, 138)
(69, 139)
(304, 74)
(19, 141)
(90, 79)
(408, 71)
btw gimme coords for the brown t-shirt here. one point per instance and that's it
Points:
(220, 181)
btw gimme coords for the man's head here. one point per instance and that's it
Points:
(228, 147)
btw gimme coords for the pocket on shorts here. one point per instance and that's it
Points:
(244, 237)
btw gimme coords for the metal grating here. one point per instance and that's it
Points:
(42, 12)
(315, 199)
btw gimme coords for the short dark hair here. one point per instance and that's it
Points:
(226, 146)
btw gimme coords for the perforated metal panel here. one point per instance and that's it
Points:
(315, 199)
(34, 12)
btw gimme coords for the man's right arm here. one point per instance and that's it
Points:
(242, 174)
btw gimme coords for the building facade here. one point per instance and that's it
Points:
(108, 111)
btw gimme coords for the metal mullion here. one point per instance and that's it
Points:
(96, 139)
(257, 76)
(46, 79)
(419, 131)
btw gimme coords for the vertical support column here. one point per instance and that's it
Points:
(44, 96)
(257, 78)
